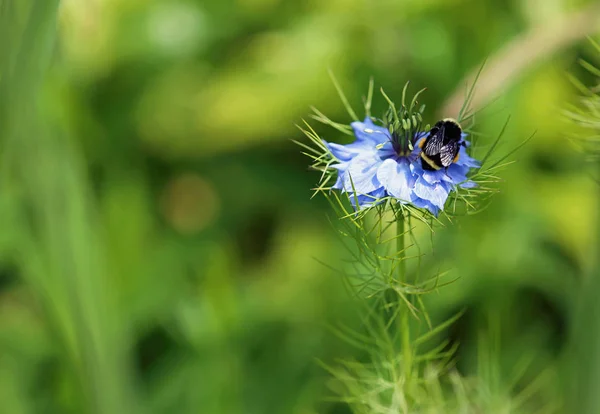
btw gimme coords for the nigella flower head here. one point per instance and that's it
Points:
(385, 161)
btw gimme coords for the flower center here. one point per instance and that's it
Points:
(402, 143)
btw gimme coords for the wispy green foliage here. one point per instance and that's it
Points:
(586, 114)
(473, 200)
(378, 382)
(383, 384)
(371, 241)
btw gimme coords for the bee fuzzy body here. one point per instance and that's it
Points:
(441, 147)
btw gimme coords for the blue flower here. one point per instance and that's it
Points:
(378, 164)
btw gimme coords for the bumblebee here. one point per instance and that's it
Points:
(441, 147)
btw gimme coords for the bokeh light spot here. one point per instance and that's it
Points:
(189, 203)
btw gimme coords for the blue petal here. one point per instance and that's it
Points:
(361, 175)
(396, 177)
(419, 202)
(467, 161)
(431, 177)
(339, 182)
(341, 167)
(368, 200)
(456, 174)
(368, 136)
(349, 151)
(469, 184)
(367, 131)
(436, 193)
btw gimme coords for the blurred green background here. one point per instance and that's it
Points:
(159, 247)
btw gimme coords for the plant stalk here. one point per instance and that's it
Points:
(404, 311)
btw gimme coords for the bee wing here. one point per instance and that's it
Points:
(434, 142)
(448, 152)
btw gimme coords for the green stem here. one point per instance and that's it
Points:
(404, 322)
(400, 247)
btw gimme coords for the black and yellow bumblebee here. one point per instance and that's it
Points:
(441, 147)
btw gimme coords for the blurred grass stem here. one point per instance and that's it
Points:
(518, 56)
